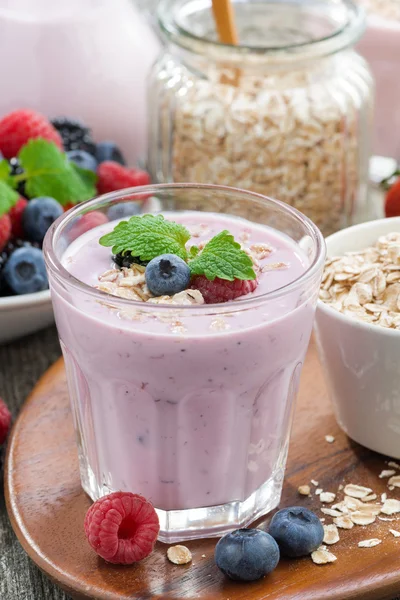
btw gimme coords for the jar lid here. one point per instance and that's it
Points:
(283, 30)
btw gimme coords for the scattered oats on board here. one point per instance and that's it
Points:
(356, 491)
(329, 438)
(365, 285)
(327, 497)
(304, 490)
(393, 464)
(322, 556)
(362, 518)
(344, 522)
(391, 507)
(394, 533)
(386, 473)
(331, 512)
(331, 534)
(179, 555)
(369, 498)
(369, 543)
(394, 481)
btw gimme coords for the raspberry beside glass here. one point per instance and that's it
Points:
(189, 406)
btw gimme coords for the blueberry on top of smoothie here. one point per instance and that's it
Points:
(297, 530)
(246, 554)
(167, 275)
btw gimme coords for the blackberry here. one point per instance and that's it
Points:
(75, 135)
(16, 169)
(126, 260)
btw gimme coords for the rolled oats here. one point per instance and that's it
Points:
(394, 481)
(395, 533)
(344, 522)
(327, 497)
(356, 491)
(391, 507)
(331, 534)
(329, 438)
(366, 284)
(387, 473)
(285, 138)
(331, 512)
(322, 556)
(362, 518)
(304, 490)
(369, 543)
(179, 555)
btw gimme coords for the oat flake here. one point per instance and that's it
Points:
(356, 491)
(369, 543)
(304, 490)
(331, 534)
(179, 555)
(391, 507)
(395, 533)
(322, 556)
(327, 497)
(344, 522)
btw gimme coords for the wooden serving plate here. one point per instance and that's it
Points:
(47, 506)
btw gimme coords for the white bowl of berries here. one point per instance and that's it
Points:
(45, 168)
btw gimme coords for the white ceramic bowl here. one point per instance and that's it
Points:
(21, 315)
(361, 360)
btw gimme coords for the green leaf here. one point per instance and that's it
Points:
(194, 250)
(8, 196)
(148, 236)
(48, 172)
(224, 258)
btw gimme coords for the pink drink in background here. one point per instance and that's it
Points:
(380, 46)
(85, 59)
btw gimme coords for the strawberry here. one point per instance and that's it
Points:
(112, 176)
(16, 217)
(20, 126)
(392, 200)
(5, 230)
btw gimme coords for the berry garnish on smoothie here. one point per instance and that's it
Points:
(161, 256)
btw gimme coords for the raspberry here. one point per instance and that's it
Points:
(86, 222)
(122, 527)
(112, 176)
(5, 421)
(392, 201)
(16, 217)
(19, 126)
(5, 230)
(221, 290)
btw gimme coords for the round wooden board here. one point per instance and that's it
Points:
(47, 506)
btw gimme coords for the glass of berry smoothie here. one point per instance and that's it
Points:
(184, 319)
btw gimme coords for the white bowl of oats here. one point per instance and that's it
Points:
(358, 332)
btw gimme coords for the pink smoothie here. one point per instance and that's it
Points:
(191, 418)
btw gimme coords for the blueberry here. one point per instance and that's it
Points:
(109, 151)
(83, 159)
(167, 275)
(25, 271)
(124, 210)
(297, 530)
(246, 554)
(38, 215)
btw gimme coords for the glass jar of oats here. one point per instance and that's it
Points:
(286, 113)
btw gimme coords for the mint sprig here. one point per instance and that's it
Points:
(148, 236)
(224, 258)
(48, 172)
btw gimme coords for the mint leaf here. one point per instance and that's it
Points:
(194, 250)
(148, 236)
(224, 258)
(8, 196)
(48, 172)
